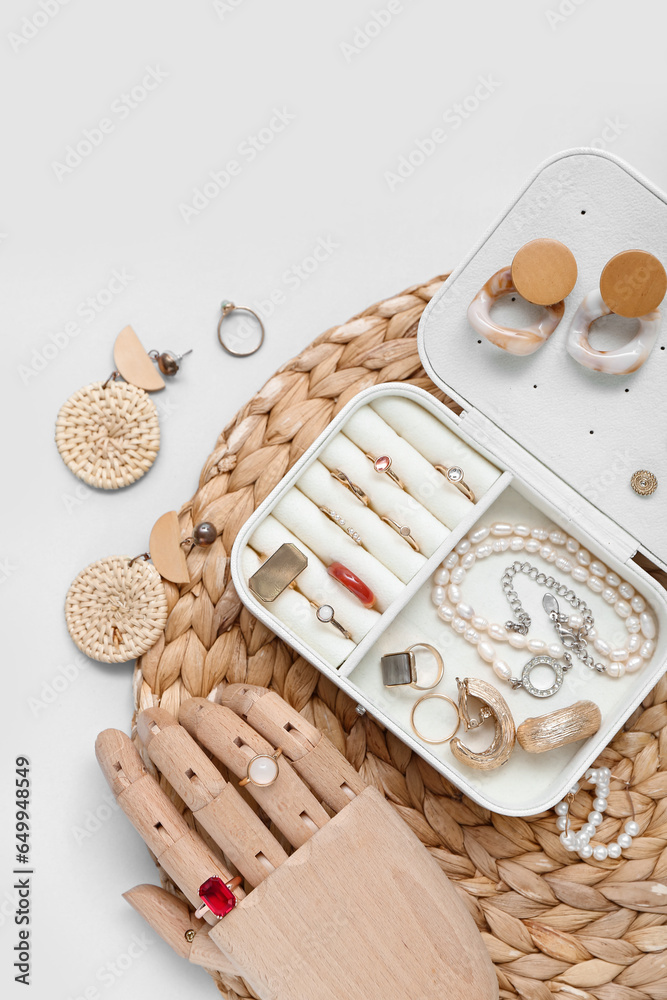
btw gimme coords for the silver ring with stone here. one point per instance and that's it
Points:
(383, 464)
(454, 475)
(262, 769)
(325, 614)
(403, 530)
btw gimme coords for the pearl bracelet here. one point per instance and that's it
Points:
(580, 841)
(568, 556)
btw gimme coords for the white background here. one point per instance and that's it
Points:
(558, 74)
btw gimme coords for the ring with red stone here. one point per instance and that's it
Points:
(355, 490)
(325, 614)
(454, 475)
(383, 464)
(352, 583)
(404, 531)
(262, 769)
(217, 896)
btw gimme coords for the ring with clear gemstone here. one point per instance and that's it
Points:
(454, 474)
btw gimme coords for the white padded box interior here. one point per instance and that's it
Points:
(582, 424)
(531, 417)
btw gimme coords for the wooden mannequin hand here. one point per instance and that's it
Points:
(359, 908)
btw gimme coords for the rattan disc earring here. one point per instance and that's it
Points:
(116, 608)
(108, 433)
(632, 284)
(543, 272)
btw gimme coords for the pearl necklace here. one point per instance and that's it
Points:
(580, 842)
(568, 556)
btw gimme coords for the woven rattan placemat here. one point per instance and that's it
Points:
(553, 925)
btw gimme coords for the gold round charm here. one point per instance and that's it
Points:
(108, 434)
(116, 609)
(644, 482)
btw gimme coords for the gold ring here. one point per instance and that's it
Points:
(325, 614)
(383, 464)
(403, 531)
(217, 896)
(357, 491)
(401, 668)
(454, 475)
(259, 772)
(341, 522)
(442, 697)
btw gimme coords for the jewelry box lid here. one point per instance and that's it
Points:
(593, 430)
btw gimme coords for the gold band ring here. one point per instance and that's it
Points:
(356, 491)
(442, 697)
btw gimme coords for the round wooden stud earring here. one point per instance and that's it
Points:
(632, 284)
(544, 272)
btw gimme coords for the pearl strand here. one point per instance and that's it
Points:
(483, 541)
(580, 841)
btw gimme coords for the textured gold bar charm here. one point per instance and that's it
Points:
(565, 725)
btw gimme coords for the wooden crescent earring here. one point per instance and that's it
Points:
(543, 272)
(116, 609)
(632, 284)
(108, 433)
(494, 707)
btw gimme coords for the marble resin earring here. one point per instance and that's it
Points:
(543, 272)
(632, 284)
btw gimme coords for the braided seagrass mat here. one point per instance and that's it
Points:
(554, 926)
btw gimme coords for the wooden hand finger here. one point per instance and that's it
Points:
(292, 807)
(314, 757)
(181, 852)
(215, 803)
(176, 924)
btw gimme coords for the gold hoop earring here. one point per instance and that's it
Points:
(494, 707)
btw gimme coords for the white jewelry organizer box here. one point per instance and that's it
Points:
(541, 440)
